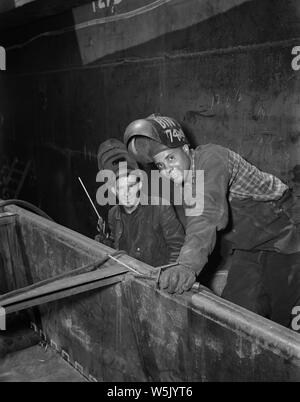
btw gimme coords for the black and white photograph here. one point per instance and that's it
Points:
(149, 194)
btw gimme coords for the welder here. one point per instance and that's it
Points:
(149, 233)
(254, 211)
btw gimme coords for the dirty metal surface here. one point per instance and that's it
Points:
(134, 332)
(18, 334)
(204, 338)
(37, 364)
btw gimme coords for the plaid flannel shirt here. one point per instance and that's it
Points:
(228, 175)
(247, 181)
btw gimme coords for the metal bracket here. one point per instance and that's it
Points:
(64, 355)
(4, 214)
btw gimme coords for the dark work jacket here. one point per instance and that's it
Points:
(151, 233)
(246, 224)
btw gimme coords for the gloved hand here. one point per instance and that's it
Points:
(177, 279)
(100, 237)
(101, 226)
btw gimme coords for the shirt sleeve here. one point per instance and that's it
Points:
(172, 230)
(201, 229)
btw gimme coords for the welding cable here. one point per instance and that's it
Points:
(26, 205)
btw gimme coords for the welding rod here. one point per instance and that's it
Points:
(195, 287)
(93, 205)
(124, 265)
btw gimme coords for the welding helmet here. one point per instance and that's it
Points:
(112, 152)
(145, 138)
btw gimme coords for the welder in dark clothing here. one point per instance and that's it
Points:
(253, 210)
(149, 233)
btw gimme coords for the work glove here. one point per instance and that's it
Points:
(100, 237)
(177, 279)
(101, 226)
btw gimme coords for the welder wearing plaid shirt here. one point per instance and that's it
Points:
(253, 210)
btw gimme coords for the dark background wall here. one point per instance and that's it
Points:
(223, 68)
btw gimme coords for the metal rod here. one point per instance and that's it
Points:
(125, 265)
(93, 205)
(81, 270)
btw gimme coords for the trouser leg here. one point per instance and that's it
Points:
(282, 282)
(245, 285)
(268, 284)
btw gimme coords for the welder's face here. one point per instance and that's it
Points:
(174, 163)
(128, 190)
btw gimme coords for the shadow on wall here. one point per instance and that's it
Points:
(7, 5)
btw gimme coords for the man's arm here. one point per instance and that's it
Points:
(172, 230)
(201, 230)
